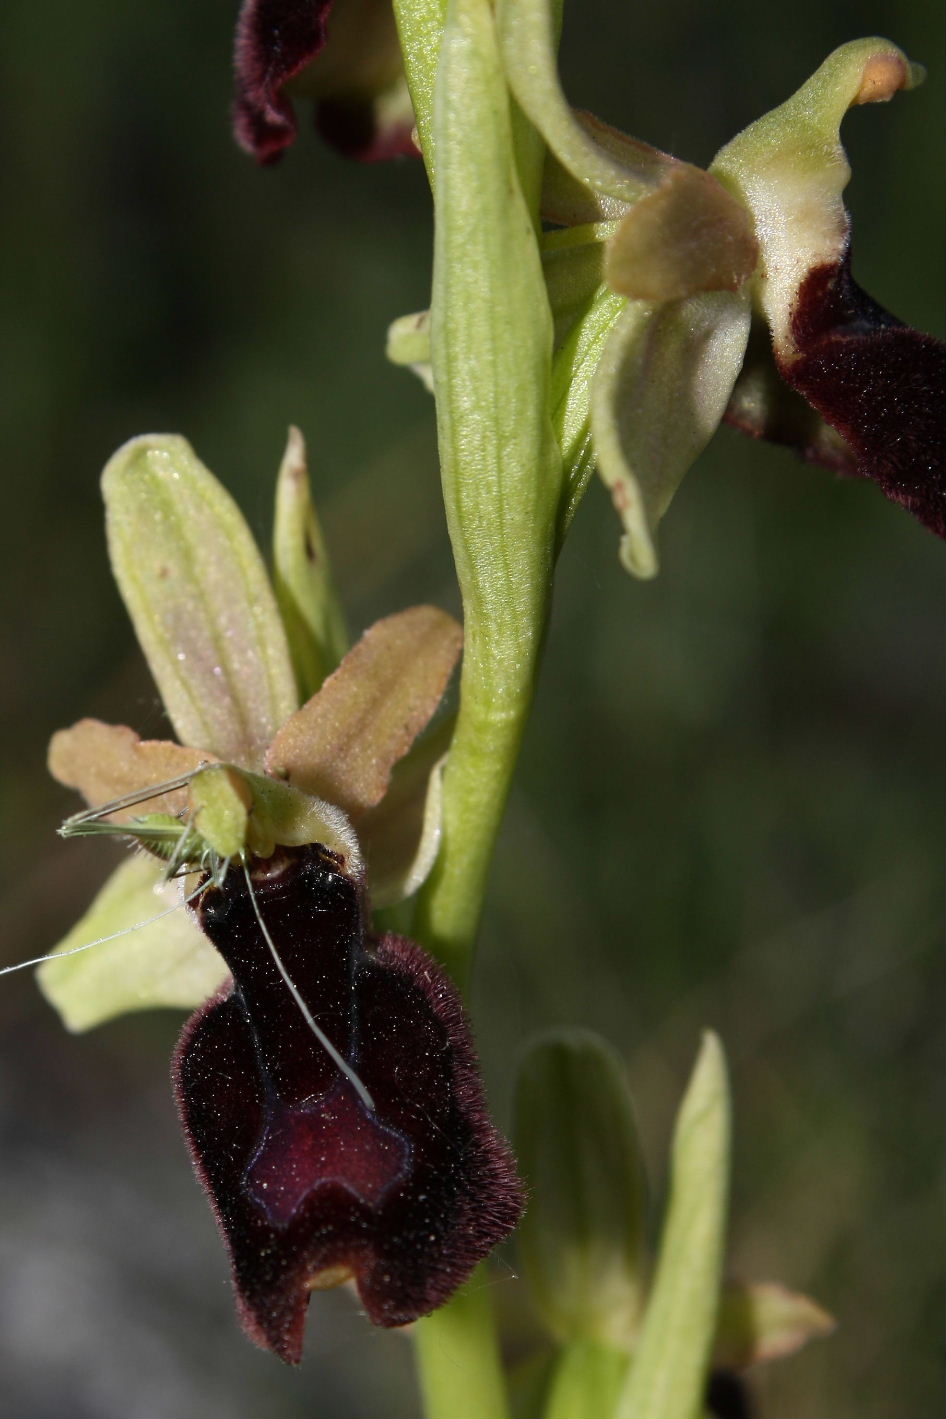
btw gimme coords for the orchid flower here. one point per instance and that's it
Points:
(327, 1085)
(683, 297)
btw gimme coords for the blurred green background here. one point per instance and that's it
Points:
(729, 804)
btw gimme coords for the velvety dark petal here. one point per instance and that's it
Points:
(309, 1184)
(357, 84)
(275, 40)
(877, 382)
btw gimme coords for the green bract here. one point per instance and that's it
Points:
(671, 1362)
(635, 1337)
(582, 1242)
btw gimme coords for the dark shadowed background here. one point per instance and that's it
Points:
(728, 810)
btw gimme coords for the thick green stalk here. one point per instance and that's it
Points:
(457, 1351)
(491, 340)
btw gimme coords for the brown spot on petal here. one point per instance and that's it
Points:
(880, 384)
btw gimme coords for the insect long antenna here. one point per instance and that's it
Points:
(306, 1013)
(74, 826)
(101, 940)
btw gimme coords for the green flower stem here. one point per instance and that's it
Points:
(491, 347)
(457, 1351)
(491, 343)
(586, 1381)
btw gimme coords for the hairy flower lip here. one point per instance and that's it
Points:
(880, 384)
(288, 49)
(309, 1186)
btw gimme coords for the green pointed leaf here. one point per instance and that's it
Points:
(790, 170)
(671, 1362)
(199, 598)
(158, 963)
(302, 575)
(581, 1242)
(659, 393)
(762, 1320)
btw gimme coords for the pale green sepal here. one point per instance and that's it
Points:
(764, 1320)
(586, 1382)
(790, 169)
(529, 35)
(408, 344)
(400, 838)
(671, 1361)
(581, 1242)
(199, 598)
(659, 393)
(302, 576)
(500, 464)
(158, 963)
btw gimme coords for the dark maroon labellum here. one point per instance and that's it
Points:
(878, 383)
(309, 1183)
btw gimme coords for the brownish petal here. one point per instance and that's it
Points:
(689, 235)
(109, 761)
(881, 385)
(343, 744)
